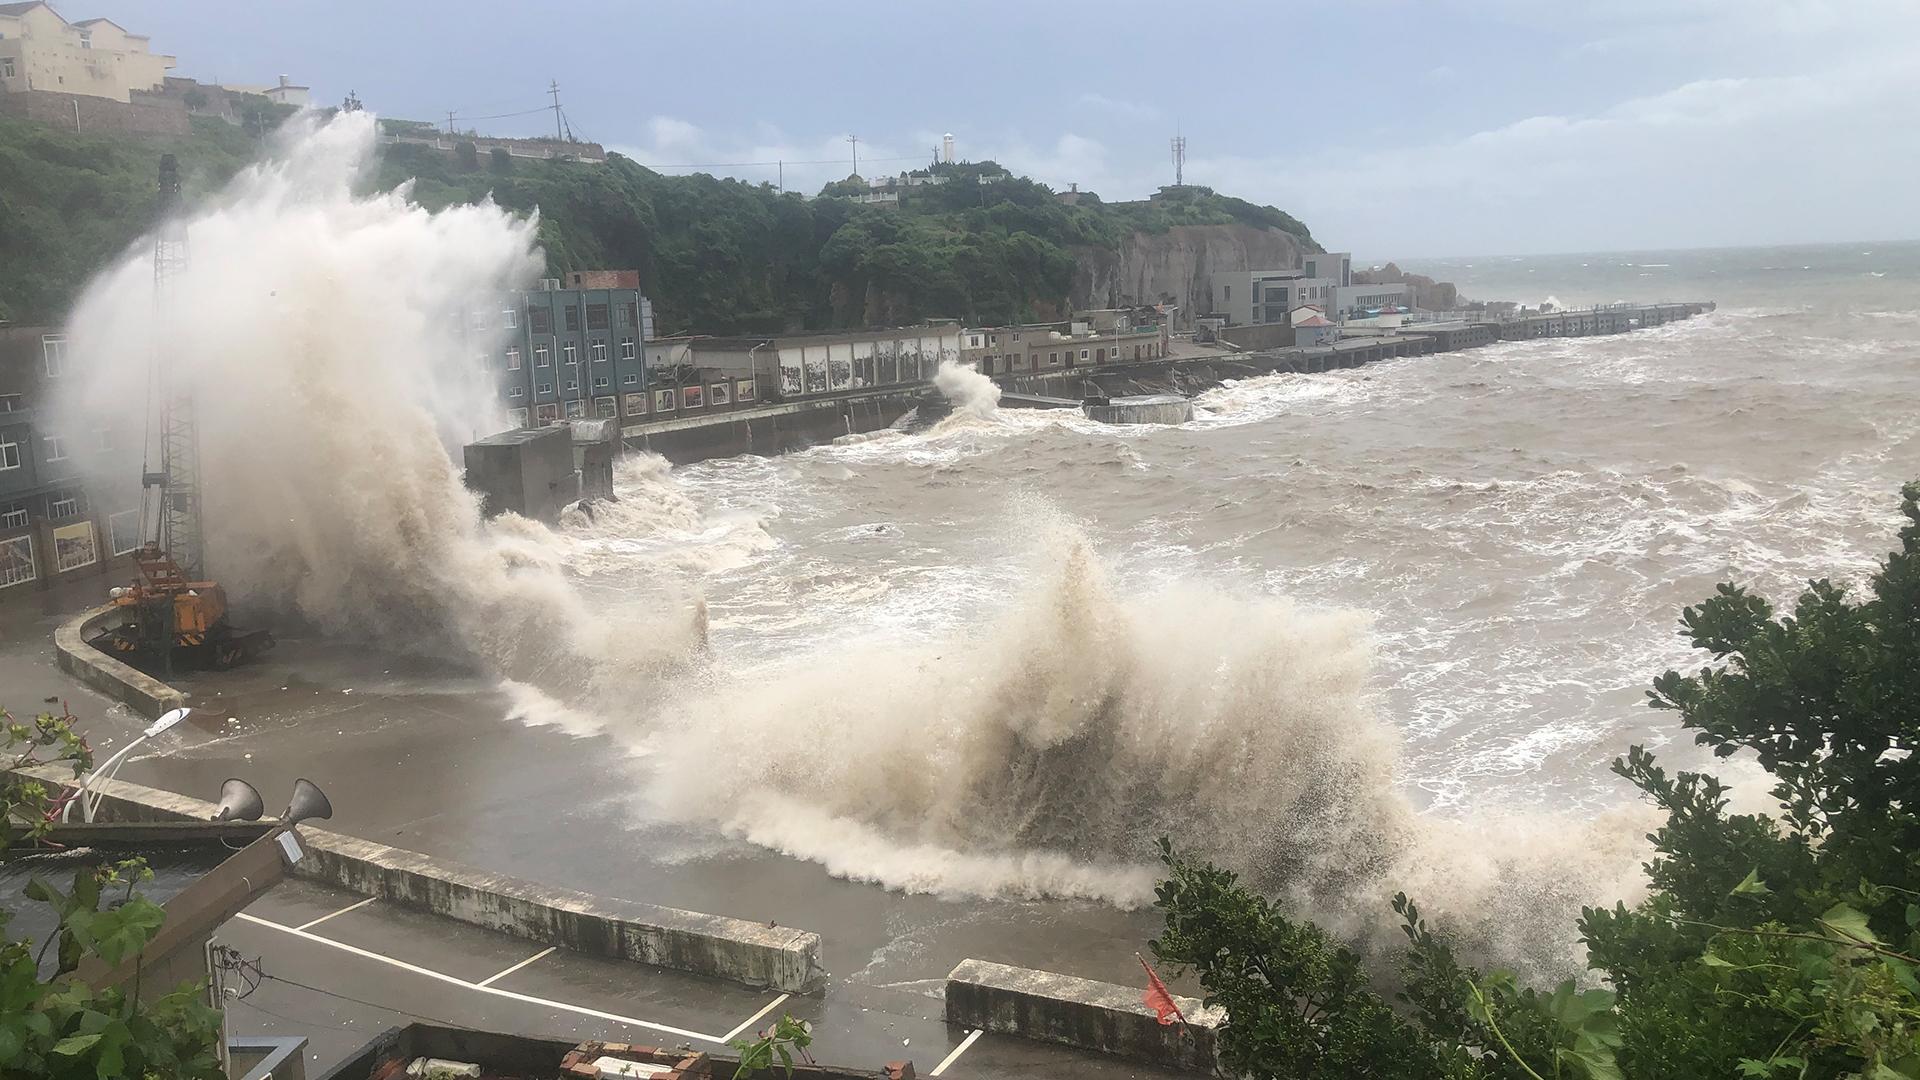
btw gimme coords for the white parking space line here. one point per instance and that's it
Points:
(336, 914)
(957, 1051)
(498, 975)
(476, 987)
(748, 1022)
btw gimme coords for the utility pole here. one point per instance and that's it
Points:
(783, 175)
(553, 87)
(855, 141)
(449, 123)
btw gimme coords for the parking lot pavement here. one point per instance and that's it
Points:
(339, 968)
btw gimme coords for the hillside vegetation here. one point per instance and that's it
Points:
(716, 255)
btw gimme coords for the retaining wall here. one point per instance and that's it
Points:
(772, 429)
(734, 949)
(145, 694)
(1106, 1017)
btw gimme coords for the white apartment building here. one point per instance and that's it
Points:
(39, 50)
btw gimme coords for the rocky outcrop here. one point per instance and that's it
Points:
(1174, 267)
(1427, 293)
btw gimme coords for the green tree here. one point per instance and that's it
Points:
(57, 1026)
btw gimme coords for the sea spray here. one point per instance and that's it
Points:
(336, 343)
(1041, 752)
(970, 392)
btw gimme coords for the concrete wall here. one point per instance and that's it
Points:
(143, 693)
(1268, 336)
(529, 472)
(726, 948)
(771, 429)
(97, 115)
(1153, 409)
(1106, 1017)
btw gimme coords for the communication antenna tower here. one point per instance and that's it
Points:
(1179, 160)
(176, 486)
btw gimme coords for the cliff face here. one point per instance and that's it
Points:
(1173, 267)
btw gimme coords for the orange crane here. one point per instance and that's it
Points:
(168, 612)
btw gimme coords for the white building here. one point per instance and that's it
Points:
(39, 50)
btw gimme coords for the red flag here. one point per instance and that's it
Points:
(1157, 998)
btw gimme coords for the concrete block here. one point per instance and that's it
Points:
(716, 945)
(1100, 1016)
(143, 693)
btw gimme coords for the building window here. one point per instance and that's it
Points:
(1226, 293)
(516, 391)
(598, 351)
(720, 394)
(15, 516)
(123, 531)
(596, 316)
(632, 310)
(518, 416)
(64, 504)
(546, 388)
(513, 358)
(626, 348)
(636, 404)
(9, 454)
(16, 561)
(573, 386)
(630, 379)
(1083, 354)
(600, 382)
(547, 414)
(510, 319)
(12, 403)
(53, 348)
(541, 357)
(1053, 359)
(56, 448)
(573, 317)
(576, 409)
(662, 401)
(6, 67)
(1016, 335)
(605, 408)
(569, 353)
(690, 397)
(743, 390)
(540, 320)
(103, 440)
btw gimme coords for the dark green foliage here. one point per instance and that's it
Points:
(69, 203)
(716, 255)
(59, 1027)
(1781, 946)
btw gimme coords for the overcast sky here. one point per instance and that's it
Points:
(1394, 129)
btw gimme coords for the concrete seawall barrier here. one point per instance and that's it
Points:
(143, 693)
(1106, 1017)
(726, 948)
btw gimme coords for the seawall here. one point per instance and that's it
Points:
(734, 949)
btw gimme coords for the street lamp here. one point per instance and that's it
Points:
(90, 807)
